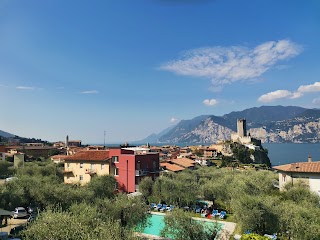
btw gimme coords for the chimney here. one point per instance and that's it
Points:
(309, 158)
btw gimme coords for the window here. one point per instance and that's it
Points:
(102, 166)
(116, 171)
(283, 178)
(92, 166)
(68, 165)
(115, 159)
(81, 177)
(154, 164)
(81, 165)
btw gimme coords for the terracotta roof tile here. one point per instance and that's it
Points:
(171, 167)
(60, 156)
(184, 162)
(305, 167)
(89, 155)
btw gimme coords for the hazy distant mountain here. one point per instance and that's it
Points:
(6, 134)
(268, 123)
(153, 138)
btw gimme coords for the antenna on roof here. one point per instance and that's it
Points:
(104, 139)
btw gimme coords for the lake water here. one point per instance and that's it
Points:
(283, 153)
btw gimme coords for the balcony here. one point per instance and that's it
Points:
(68, 171)
(157, 170)
(91, 172)
(141, 173)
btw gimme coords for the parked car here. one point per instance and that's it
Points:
(19, 212)
(8, 179)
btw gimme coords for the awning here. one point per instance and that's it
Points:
(5, 212)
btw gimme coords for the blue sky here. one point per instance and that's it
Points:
(132, 68)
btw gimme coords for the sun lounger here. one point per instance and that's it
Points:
(215, 213)
(152, 205)
(170, 208)
(223, 214)
(163, 208)
(157, 208)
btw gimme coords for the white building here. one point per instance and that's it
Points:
(308, 172)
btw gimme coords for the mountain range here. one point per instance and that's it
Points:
(270, 124)
(6, 134)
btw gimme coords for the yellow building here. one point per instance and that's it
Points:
(82, 166)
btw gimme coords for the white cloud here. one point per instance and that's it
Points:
(90, 92)
(226, 65)
(271, 96)
(25, 88)
(309, 88)
(316, 101)
(173, 120)
(210, 102)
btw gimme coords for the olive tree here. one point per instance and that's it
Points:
(129, 212)
(145, 186)
(78, 224)
(179, 225)
(102, 186)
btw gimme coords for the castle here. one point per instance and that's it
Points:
(241, 136)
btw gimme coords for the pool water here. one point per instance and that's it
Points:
(157, 224)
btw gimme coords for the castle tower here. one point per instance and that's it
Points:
(242, 127)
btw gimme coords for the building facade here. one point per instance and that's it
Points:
(306, 172)
(82, 166)
(131, 165)
(128, 165)
(2, 152)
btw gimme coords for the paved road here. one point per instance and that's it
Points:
(13, 223)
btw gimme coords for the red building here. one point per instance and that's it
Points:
(131, 164)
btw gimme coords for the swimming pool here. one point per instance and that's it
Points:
(157, 224)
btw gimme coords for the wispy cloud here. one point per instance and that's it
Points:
(90, 92)
(210, 102)
(226, 65)
(173, 120)
(303, 89)
(25, 88)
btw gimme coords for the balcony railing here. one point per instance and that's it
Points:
(154, 170)
(141, 172)
(91, 171)
(68, 170)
